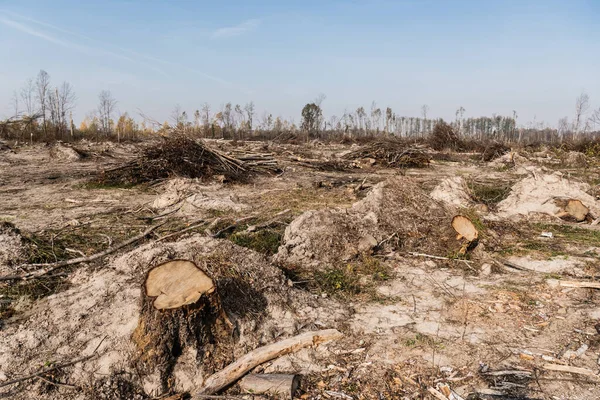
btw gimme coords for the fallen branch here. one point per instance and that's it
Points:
(53, 266)
(45, 371)
(239, 368)
(573, 370)
(573, 284)
(196, 224)
(232, 226)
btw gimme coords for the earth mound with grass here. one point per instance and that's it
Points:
(102, 310)
(396, 214)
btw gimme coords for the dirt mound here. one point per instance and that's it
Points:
(575, 159)
(12, 249)
(191, 195)
(542, 195)
(396, 212)
(103, 309)
(453, 191)
(63, 152)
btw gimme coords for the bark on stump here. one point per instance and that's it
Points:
(180, 309)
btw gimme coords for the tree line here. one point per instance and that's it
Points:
(47, 111)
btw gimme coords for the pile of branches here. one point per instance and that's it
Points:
(14, 126)
(443, 137)
(183, 157)
(396, 154)
(494, 150)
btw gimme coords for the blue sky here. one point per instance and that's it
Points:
(534, 57)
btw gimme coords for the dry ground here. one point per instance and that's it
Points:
(412, 323)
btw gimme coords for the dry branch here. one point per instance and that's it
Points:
(572, 370)
(573, 284)
(391, 153)
(183, 156)
(239, 368)
(49, 267)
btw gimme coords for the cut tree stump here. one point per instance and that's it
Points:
(466, 230)
(176, 284)
(282, 386)
(180, 309)
(572, 210)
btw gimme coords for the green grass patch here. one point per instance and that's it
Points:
(337, 281)
(572, 234)
(489, 193)
(265, 241)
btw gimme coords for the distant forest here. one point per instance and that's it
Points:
(42, 112)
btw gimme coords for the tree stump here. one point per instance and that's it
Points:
(465, 230)
(180, 309)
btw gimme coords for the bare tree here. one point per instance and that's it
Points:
(206, 117)
(424, 110)
(582, 106)
(42, 86)
(15, 104)
(595, 118)
(65, 100)
(105, 110)
(179, 117)
(27, 95)
(249, 109)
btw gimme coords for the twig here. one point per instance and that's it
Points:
(232, 226)
(437, 257)
(196, 224)
(53, 266)
(59, 384)
(67, 364)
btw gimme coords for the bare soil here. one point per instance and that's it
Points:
(366, 249)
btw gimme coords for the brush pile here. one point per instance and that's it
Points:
(494, 150)
(444, 137)
(395, 154)
(181, 156)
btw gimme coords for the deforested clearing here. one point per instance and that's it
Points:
(178, 266)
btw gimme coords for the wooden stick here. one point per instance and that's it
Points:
(239, 368)
(53, 266)
(573, 370)
(573, 284)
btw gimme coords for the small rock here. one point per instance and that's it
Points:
(366, 244)
(482, 208)
(486, 269)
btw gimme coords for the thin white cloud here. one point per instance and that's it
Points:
(64, 43)
(44, 36)
(237, 30)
